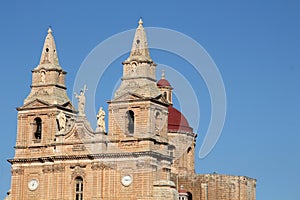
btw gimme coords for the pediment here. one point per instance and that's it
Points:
(161, 99)
(68, 105)
(80, 131)
(133, 96)
(129, 96)
(78, 140)
(36, 103)
(78, 134)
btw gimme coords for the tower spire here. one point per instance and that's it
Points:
(49, 54)
(139, 50)
(48, 78)
(139, 70)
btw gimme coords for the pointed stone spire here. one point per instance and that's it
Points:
(139, 70)
(139, 50)
(48, 78)
(49, 54)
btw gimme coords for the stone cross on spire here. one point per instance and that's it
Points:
(139, 50)
(49, 54)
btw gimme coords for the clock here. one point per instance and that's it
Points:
(33, 184)
(126, 180)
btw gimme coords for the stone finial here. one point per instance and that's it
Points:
(140, 22)
(163, 76)
(49, 29)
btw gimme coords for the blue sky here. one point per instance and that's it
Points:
(255, 45)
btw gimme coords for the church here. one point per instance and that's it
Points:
(145, 151)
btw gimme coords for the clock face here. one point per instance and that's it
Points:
(126, 180)
(33, 184)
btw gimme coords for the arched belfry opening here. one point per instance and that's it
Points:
(165, 95)
(37, 128)
(190, 196)
(130, 121)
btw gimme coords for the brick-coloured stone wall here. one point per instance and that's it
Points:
(217, 186)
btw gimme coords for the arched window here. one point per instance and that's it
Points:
(130, 121)
(190, 196)
(37, 127)
(79, 188)
(165, 95)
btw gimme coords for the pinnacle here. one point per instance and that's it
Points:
(139, 51)
(49, 54)
(49, 29)
(163, 76)
(140, 22)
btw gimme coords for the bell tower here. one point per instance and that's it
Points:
(138, 122)
(47, 110)
(138, 109)
(46, 113)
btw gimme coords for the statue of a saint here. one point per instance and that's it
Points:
(81, 100)
(61, 118)
(101, 120)
(158, 121)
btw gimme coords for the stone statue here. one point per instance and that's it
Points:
(158, 121)
(101, 120)
(61, 118)
(81, 100)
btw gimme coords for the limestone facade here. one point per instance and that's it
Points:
(146, 154)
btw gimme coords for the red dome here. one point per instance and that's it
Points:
(163, 83)
(177, 121)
